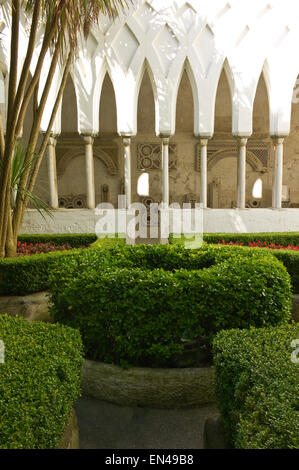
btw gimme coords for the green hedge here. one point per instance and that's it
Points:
(28, 274)
(291, 261)
(39, 382)
(258, 387)
(289, 258)
(74, 240)
(285, 238)
(128, 310)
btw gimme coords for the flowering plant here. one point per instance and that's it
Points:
(260, 244)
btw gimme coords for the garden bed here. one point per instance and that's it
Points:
(39, 382)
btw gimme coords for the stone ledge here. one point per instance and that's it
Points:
(34, 307)
(70, 438)
(149, 388)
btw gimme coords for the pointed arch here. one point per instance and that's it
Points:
(261, 118)
(224, 101)
(69, 108)
(146, 73)
(185, 102)
(107, 106)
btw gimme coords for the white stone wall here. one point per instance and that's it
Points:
(214, 221)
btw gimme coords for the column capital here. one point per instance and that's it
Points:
(88, 139)
(165, 140)
(242, 141)
(278, 140)
(203, 141)
(164, 135)
(126, 140)
(52, 140)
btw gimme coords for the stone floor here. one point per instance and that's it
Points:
(107, 426)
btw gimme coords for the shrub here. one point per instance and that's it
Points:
(285, 238)
(257, 386)
(39, 382)
(109, 242)
(291, 261)
(28, 274)
(289, 258)
(128, 310)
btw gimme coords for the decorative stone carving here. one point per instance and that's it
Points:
(254, 203)
(149, 156)
(258, 153)
(72, 202)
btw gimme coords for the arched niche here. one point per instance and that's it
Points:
(65, 160)
(223, 106)
(185, 106)
(222, 178)
(261, 108)
(72, 180)
(251, 159)
(69, 114)
(146, 106)
(108, 113)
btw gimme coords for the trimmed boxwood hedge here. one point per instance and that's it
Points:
(257, 386)
(289, 258)
(39, 382)
(75, 240)
(284, 238)
(135, 304)
(28, 274)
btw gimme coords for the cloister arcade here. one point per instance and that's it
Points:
(199, 96)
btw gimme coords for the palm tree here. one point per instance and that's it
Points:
(62, 21)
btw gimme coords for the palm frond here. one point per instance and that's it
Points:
(18, 168)
(76, 16)
(38, 204)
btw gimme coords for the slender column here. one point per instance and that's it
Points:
(204, 172)
(241, 189)
(127, 170)
(274, 177)
(278, 169)
(89, 164)
(52, 174)
(165, 171)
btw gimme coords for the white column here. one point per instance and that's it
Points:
(241, 189)
(274, 177)
(127, 170)
(165, 171)
(89, 163)
(204, 172)
(278, 171)
(52, 174)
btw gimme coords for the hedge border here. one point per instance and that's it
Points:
(39, 382)
(289, 258)
(257, 386)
